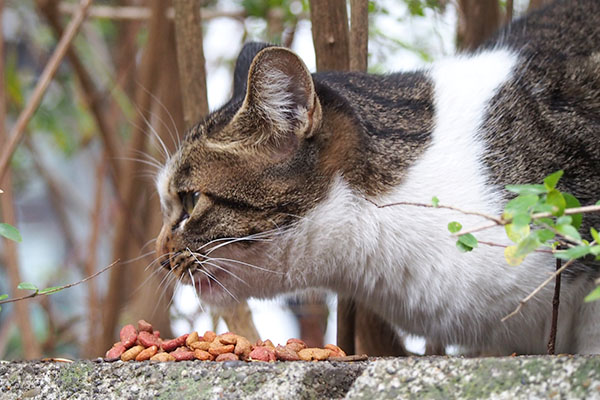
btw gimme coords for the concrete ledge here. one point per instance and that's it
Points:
(394, 378)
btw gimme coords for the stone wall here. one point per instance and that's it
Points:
(560, 377)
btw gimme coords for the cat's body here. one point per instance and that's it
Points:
(290, 171)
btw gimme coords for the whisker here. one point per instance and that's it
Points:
(160, 103)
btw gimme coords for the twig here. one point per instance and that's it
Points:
(568, 211)
(136, 13)
(497, 220)
(505, 246)
(58, 288)
(540, 287)
(16, 133)
(555, 304)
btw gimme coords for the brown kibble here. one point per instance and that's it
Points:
(192, 338)
(201, 345)
(243, 348)
(203, 355)
(335, 350)
(284, 353)
(144, 326)
(132, 353)
(263, 353)
(266, 343)
(156, 333)
(147, 339)
(217, 348)
(228, 338)
(298, 341)
(162, 357)
(146, 354)
(183, 354)
(128, 335)
(209, 336)
(314, 353)
(227, 357)
(115, 352)
(170, 345)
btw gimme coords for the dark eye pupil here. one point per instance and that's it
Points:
(189, 200)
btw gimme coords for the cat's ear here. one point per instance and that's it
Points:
(281, 96)
(242, 66)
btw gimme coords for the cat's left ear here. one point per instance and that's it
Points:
(281, 95)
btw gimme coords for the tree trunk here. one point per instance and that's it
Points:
(477, 21)
(330, 34)
(118, 282)
(190, 56)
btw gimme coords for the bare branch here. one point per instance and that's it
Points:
(497, 220)
(136, 13)
(537, 290)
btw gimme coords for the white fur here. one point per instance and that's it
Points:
(402, 260)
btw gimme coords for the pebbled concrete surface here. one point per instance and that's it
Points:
(561, 377)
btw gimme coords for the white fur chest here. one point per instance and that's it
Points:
(402, 259)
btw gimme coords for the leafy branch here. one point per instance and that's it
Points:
(44, 292)
(539, 219)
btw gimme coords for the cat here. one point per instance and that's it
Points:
(274, 192)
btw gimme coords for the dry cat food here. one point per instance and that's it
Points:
(144, 343)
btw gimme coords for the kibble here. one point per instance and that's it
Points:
(145, 343)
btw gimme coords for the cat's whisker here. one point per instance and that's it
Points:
(160, 103)
(149, 157)
(155, 134)
(212, 277)
(220, 268)
(142, 161)
(194, 286)
(131, 260)
(243, 263)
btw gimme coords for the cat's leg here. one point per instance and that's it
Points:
(587, 328)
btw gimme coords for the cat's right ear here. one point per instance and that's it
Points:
(242, 66)
(281, 98)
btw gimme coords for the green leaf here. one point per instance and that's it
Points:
(556, 199)
(595, 250)
(544, 221)
(462, 247)
(510, 256)
(520, 204)
(454, 226)
(593, 295)
(573, 252)
(527, 245)
(468, 240)
(569, 232)
(551, 180)
(598, 203)
(572, 202)
(435, 201)
(27, 286)
(543, 207)
(595, 235)
(516, 233)
(543, 235)
(521, 220)
(3, 296)
(10, 232)
(564, 220)
(527, 189)
(50, 290)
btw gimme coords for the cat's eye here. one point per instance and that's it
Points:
(189, 200)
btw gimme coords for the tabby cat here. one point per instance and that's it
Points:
(274, 192)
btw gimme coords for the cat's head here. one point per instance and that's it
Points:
(243, 177)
